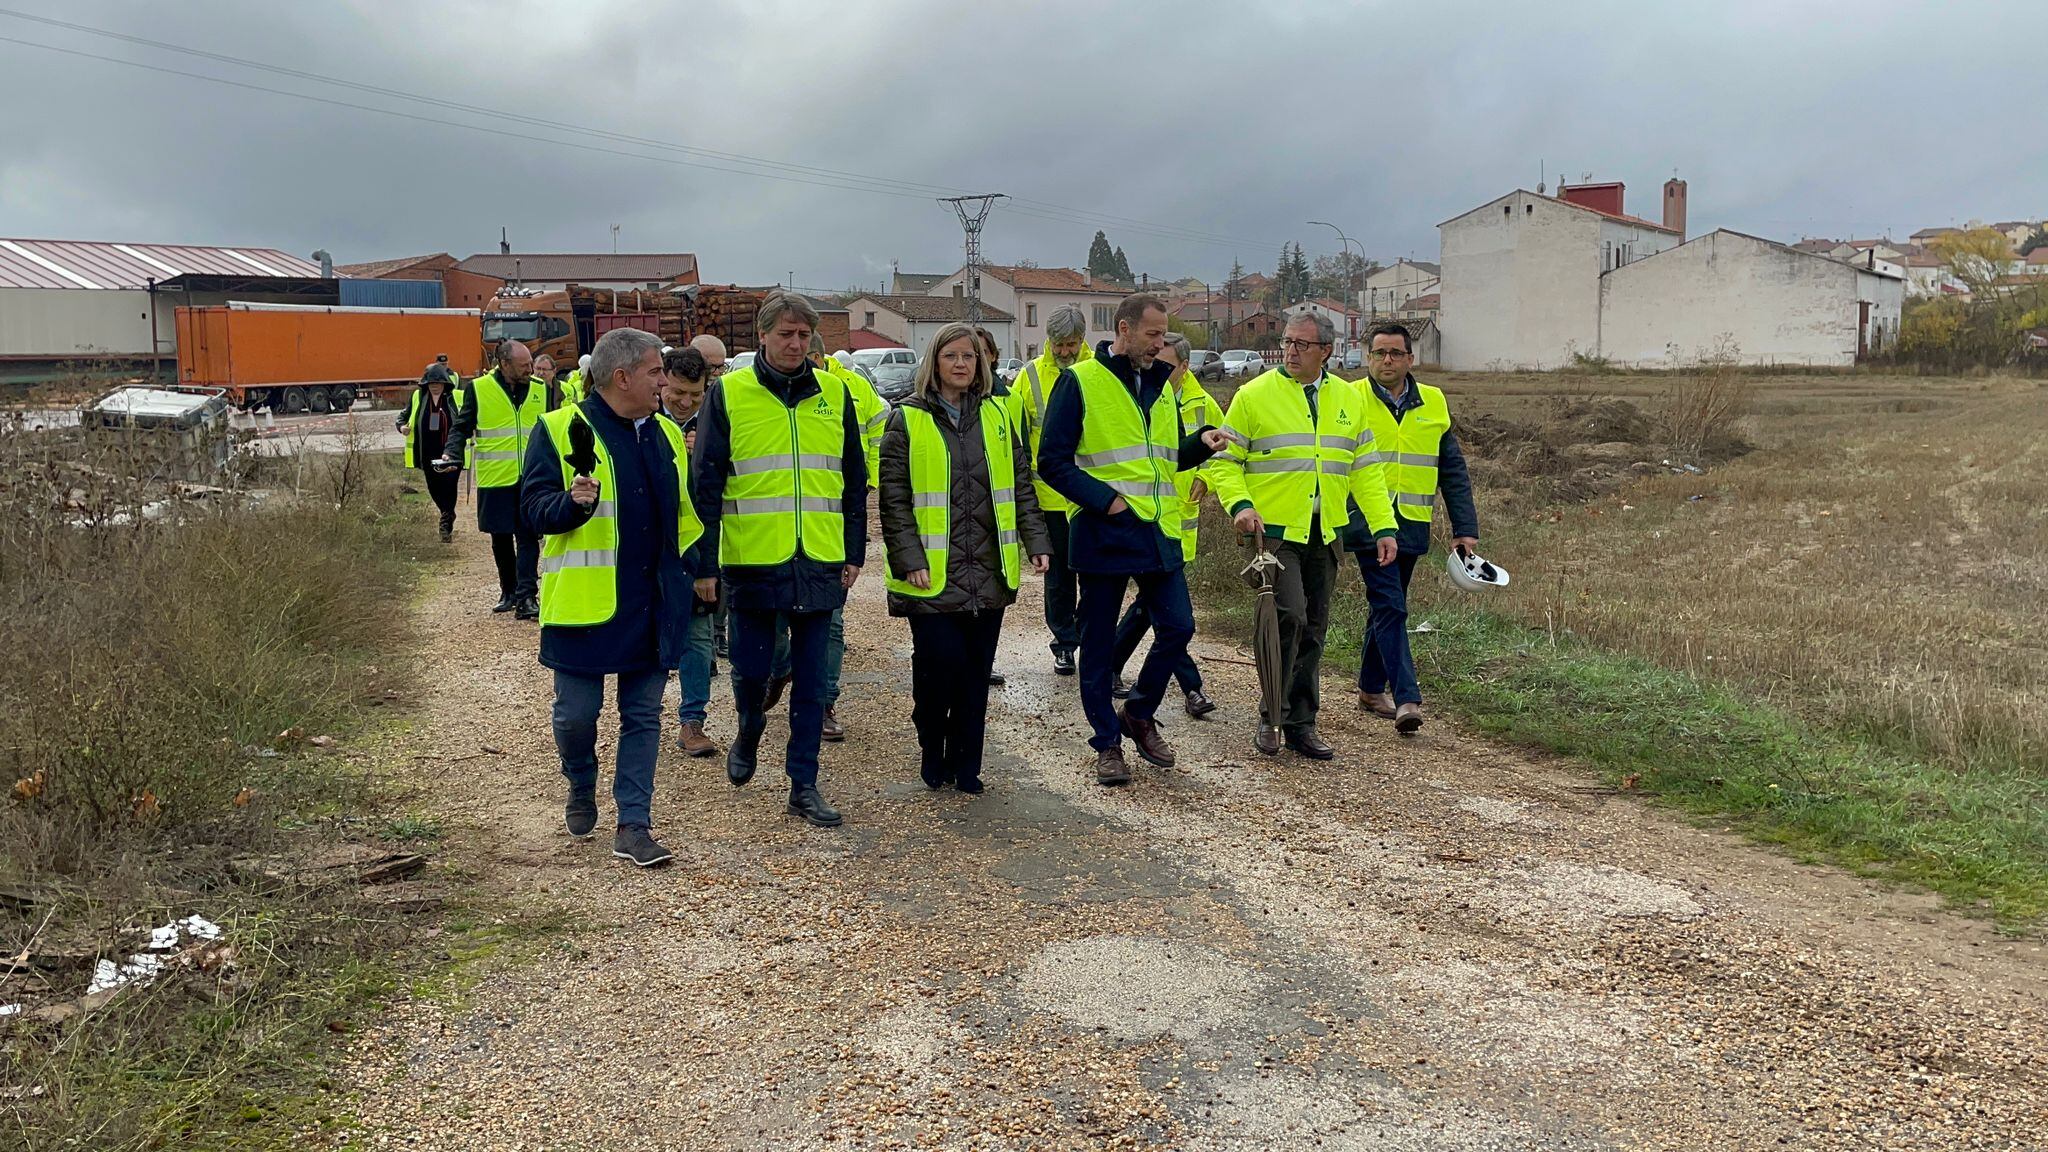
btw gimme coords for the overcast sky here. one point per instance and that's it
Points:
(1191, 132)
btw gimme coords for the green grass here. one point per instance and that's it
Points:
(1978, 838)
(1826, 793)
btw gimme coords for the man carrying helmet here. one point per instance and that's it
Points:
(1411, 424)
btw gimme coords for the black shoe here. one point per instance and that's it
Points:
(969, 784)
(529, 609)
(934, 776)
(719, 649)
(580, 814)
(505, 603)
(1307, 743)
(1063, 663)
(447, 535)
(777, 685)
(632, 843)
(1267, 740)
(1198, 705)
(739, 759)
(806, 802)
(997, 679)
(1120, 689)
(830, 731)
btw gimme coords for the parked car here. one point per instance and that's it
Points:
(743, 360)
(1241, 362)
(871, 358)
(893, 380)
(1007, 369)
(1354, 358)
(1200, 358)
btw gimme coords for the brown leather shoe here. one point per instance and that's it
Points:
(1307, 743)
(1267, 740)
(832, 732)
(1110, 769)
(694, 742)
(1408, 719)
(1145, 734)
(1377, 703)
(777, 685)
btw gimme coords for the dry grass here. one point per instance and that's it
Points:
(1878, 563)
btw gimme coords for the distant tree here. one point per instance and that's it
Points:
(1234, 287)
(1121, 269)
(1026, 263)
(1340, 276)
(1300, 282)
(1101, 257)
(1980, 259)
(2037, 239)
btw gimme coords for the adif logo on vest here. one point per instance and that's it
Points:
(823, 408)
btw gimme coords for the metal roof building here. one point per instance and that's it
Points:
(66, 300)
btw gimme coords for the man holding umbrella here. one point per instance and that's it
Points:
(1300, 450)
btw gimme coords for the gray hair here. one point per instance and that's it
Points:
(780, 304)
(1180, 346)
(616, 349)
(1067, 322)
(1326, 332)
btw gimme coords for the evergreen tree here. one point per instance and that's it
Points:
(1101, 257)
(1122, 269)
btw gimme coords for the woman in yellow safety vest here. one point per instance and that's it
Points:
(959, 517)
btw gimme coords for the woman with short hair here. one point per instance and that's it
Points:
(959, 518)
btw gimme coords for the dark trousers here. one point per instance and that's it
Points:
(1385, 655)
(1061, 586)
(951, 654)
(1301, 591)
(578, 699)
(442, 487)
(1163, 596)
(751, 651)
(1131, 629)
(518, 557)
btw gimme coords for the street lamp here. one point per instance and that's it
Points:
(1347, 241)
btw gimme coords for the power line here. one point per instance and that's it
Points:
(775, 169)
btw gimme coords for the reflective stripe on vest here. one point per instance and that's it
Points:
(788, 480)
(931, 502)
(1133, 452)
(501, 429)
(1294, 469)
(579, 569)
(1028, 413)
(1409, 447)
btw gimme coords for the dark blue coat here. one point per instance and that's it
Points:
(654, 580)
(800, 584)
(1097, 541)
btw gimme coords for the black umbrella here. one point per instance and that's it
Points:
(1266, 633)
(582, 448)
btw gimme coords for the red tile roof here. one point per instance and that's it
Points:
(83, 264)
(1429, 303)
(860, 338)
(1053, 280)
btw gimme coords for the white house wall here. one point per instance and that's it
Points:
(1779, 306)
(59, 323)
(1520, 284)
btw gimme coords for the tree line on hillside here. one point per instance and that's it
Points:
(2002, 319)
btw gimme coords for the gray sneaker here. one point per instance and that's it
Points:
(580, 814)
(633, 843)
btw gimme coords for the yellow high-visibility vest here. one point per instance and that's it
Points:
(931, 483)
(579, 570)
(1408, 447)
(1029, 394)
(1136, 453)
(1284, 465)
(788, 479)
(501, 429)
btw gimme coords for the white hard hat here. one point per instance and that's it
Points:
(583, 362)
(1471, 572)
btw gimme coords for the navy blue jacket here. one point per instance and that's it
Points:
(1453, 479)
(800, 584)
(1098, 542)
(654, 580)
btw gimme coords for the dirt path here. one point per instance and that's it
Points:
(1435, 944)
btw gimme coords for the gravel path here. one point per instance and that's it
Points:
(1436, 944)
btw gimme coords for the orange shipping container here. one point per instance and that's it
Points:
(251, 349)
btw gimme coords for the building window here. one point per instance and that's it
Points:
(1031, 351)
(870, 321)
(1102, 317)
(1031, 315)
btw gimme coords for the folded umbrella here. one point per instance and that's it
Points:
(1266, 634)
(582, 448)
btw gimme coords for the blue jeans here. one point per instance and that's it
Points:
(693, 672)
(578, 699)
(1385, 651)
(835, 654)
(750, 646)
(1163, 597)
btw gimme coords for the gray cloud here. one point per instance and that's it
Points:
(1228, 119)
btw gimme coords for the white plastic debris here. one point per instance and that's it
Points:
(145, 966)
(9, 1009)
(1425, 626)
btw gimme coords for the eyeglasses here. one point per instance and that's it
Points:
(1388, 353)
(1290, 344)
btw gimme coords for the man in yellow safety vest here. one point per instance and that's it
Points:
(498, 410)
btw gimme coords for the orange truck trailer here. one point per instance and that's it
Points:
(297, 358)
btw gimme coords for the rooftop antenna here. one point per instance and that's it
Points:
(615, 239)
(973, 213)
(1542, 177)
(504, 242)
